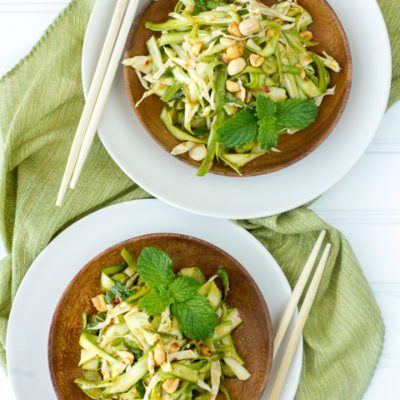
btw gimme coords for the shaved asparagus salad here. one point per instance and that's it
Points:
(234, 75)
(157, 335)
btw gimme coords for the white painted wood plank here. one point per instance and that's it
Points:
(377, 247)
(387, 140)
(33, 2)
(385, 385)
(388, 298)
(25, 30)
(372, 185)
(32, 7)
(364, 205)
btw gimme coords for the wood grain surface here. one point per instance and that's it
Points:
(253, 339)
(328, 32)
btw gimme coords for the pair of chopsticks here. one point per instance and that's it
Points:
(121, 22)
(290, 309)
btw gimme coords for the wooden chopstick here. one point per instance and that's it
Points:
(105, 89)
(297, 292)
(95, 86)
(298, 329)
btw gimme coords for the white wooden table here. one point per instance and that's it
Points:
(365, 205)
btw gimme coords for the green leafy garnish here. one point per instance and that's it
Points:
(196, 317)
(94, 321)
(296, 114)
(136, 351)
(265, 106)
(223, 275)
(194, 312)
(155, 267)
(184, 288)
(120, 290)
(203, 5)
(156, 301)
(141, 389)
(268, 132)
(109, 297)
(239, 129)
(266, 122)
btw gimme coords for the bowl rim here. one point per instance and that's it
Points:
(260, 298)
(228, 172)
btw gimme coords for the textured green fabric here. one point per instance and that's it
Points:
(41, 102)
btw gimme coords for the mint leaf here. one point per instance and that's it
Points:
(120, 290)
(109, 297)
(136, 351)
(223, 275)
(156, 301)
(239, 129)
(268, 132)
(155, 267)
(296, 114)
(196, 317)
(183, 289)
(203, 5)
(93, 322)
(140, 387)
(265, 106)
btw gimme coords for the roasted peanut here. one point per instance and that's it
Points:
(198, 152)
(170, 385)
(227, 41)
(271, 32)
(235, 51)
(248, 97)
(256, 60)
(308, 35)
(196, 48)
(231, 86)
(159, 354)
(249, 27)
(151, 338)
(236, 66)
(225, 58)
(234, 30)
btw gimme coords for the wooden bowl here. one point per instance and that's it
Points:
(254, 338)
(331, 37)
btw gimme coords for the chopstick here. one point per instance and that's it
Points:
(98, 77)
(101, 84)
(105, 89)
(297, 292)
(297, 331)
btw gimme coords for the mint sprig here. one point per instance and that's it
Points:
(156, 301)
(194, 312)
(196, 317)
(184, 288)
(266, 121)
(239, 129)
(155, 267)
(265, 106)
(296, 114)
(268, 132)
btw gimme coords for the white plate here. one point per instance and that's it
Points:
(61, 260)
(174, 182)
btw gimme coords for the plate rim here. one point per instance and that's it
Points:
(268, 333)
(30, 277)
(285, 205)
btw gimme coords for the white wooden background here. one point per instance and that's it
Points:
(365, 205)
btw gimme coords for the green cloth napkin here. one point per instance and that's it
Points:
(41, 102)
